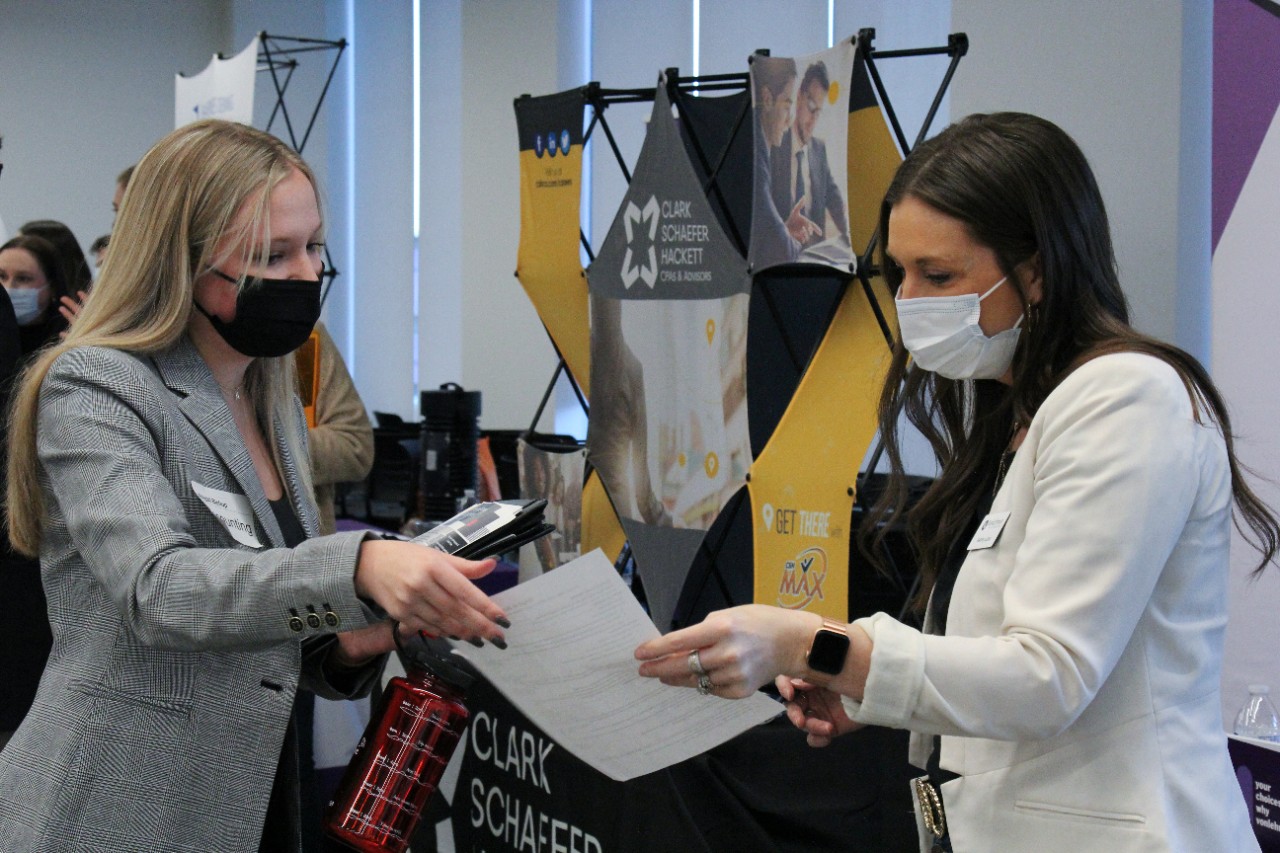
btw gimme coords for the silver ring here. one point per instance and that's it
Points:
(695, 663)
(704, 684)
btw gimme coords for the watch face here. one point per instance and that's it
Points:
(828, 651)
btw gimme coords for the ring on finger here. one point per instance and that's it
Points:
(704, 684)
(695, 664)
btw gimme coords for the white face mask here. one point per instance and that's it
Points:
(26, 304)
(943, 336)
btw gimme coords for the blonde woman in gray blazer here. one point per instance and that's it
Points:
(1064, 693)
(159, 468)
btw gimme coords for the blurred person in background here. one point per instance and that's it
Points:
(75, 268)
(33, 274)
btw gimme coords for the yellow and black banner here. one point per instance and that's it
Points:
(600, 526)
(802, 483)
(548, 264)
(873, 156)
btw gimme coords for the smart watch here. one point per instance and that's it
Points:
(829, 648)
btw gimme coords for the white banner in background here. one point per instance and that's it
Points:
(224, 89)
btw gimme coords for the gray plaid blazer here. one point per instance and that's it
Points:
(177, 650)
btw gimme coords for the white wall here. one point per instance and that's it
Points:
(86, 86)
(113, 97)
(509, 47)
(71, 125)
(380, 216)
(1111, 75)
(441, 240)
(290, 20)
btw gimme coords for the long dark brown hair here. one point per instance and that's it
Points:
(75, 269)
(1024, 189)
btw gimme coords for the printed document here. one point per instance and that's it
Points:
(569, 667)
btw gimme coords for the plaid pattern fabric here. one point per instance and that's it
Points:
(177, 651)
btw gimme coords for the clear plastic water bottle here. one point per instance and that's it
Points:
(1258, 719)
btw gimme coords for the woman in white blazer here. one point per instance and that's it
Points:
(1064, 693)
(159, 467)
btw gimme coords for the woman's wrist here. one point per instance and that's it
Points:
(800, 643)
(852, 680)
(343, 662)
(851, 677)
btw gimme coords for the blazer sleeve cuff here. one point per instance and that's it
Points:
(895, 677)
(322, 676)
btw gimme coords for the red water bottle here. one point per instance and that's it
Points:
(403, 753)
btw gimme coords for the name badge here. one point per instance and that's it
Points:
(988, 531)
(234, 511)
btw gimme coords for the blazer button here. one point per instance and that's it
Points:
(331, 619)
(295, 623)
(313, 620)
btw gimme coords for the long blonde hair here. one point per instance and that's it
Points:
(181, 202)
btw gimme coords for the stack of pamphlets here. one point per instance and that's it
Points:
(488, 528)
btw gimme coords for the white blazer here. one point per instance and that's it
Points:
(1077, 688)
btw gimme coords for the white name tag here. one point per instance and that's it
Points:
(988, 531)
(234, 511)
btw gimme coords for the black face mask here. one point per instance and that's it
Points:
(274, 316)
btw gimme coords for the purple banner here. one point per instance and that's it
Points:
(1258, 771)
(1246, 92)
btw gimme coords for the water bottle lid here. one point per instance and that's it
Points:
(1259, 688)
(435, 656)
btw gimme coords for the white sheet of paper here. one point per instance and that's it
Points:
(569, 667)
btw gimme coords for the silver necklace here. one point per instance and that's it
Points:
(231, 393)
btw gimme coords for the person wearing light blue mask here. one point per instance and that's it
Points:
(26, 302)
(28, 287)
(30, 272)
(1063, 686)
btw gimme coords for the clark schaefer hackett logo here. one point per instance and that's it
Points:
(632, 217)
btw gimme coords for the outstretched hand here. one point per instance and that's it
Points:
(741, 649)
(427, 590)
(801, 228)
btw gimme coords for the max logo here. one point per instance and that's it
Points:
(635, 216)
(802, 579)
